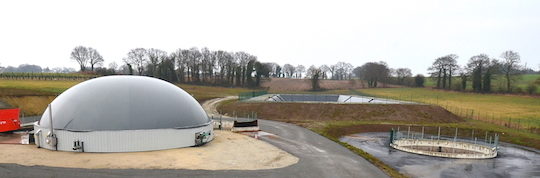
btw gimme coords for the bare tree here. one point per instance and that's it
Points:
(450, 67)
(194, 60)
(242, 58)
(402, 74)
(437, 70)
(324, 70)
(443, 69)
(510, 66)
(154, 56)
(113, 66)
(332, 69)
(137, 57)
(221, 63)
(341, 71)
(310, 70)
(80, 54)
(94, 58)
(207, 63)
(230, 67)
(275, 69)
(289, 70)
(300, 69)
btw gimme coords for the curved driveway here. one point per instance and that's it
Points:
(319, 157)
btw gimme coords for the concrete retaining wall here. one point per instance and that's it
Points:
(482, 151)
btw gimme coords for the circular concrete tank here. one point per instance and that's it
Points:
(123, 114)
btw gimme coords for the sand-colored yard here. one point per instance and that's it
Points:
(228, 151)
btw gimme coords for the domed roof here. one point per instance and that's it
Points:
(124, 103)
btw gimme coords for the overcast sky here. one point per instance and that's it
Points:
(402, 33)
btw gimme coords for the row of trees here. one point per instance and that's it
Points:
(225, 68)
(338, 71)
(480, 70)
(204, 66)
(198, 66)
(374, 73)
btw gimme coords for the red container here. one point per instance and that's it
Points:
(9, 120)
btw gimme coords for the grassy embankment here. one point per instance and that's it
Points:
(518, 112)
(33, 96)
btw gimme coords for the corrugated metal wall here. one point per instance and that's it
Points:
(125, 140)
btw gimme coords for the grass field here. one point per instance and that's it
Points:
(499, 82)
(49, 86)
(527, 79)
(502, 109)
(33, 96)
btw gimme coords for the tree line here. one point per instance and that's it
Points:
(204, 66)
(480, 70)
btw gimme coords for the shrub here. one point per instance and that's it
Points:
(419, 80)
(456, 86)
(518, 90)
(531, 88)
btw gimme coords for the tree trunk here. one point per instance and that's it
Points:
(450, 78)
(444, 79)
(439, 79)
(508, 89)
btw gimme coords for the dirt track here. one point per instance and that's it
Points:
(210, 106)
